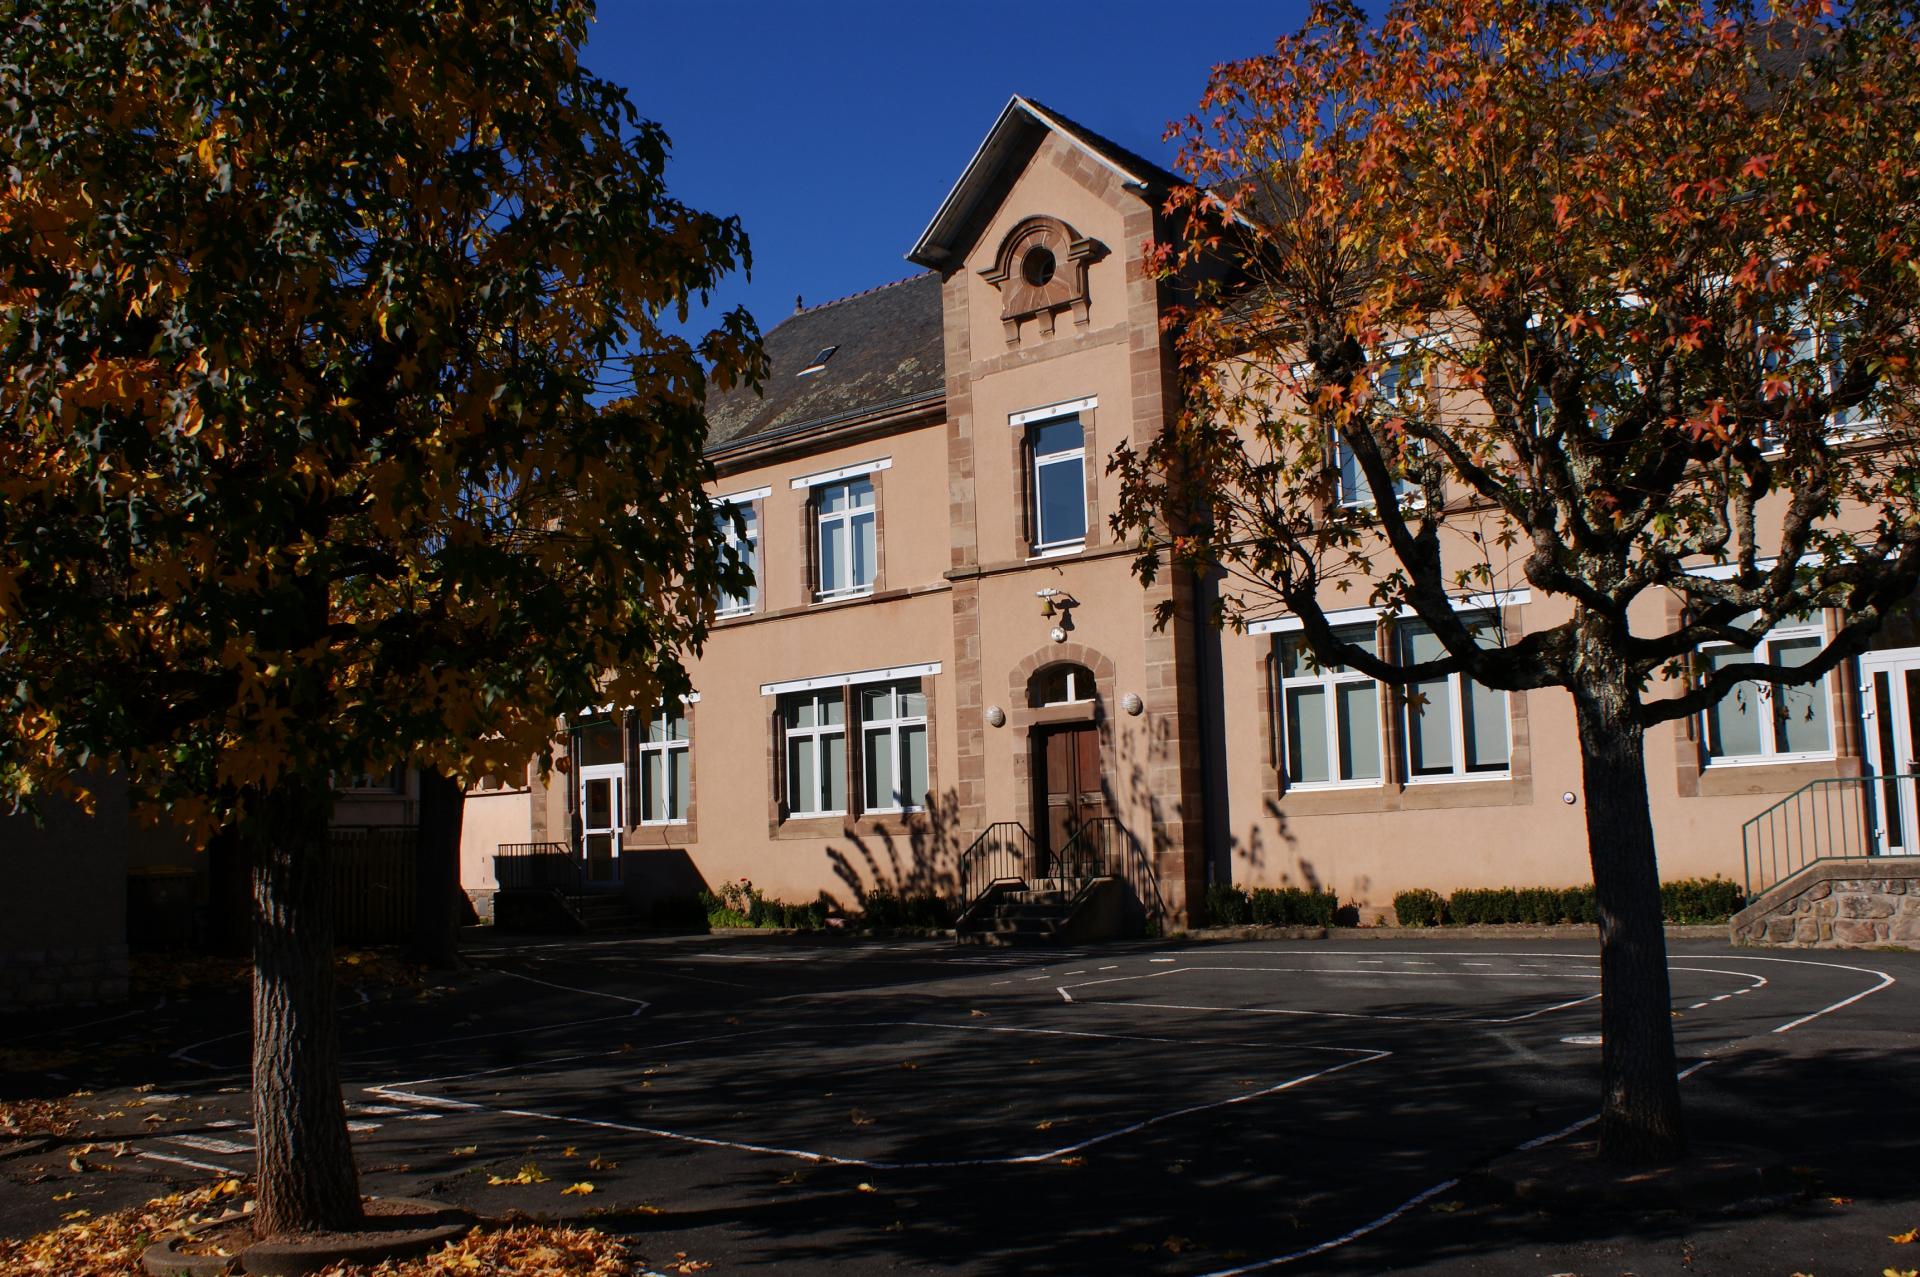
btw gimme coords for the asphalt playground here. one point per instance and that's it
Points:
(783, 1104)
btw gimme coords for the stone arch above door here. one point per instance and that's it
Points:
(1020, 712)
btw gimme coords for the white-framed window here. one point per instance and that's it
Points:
(846, 537)
(746, 544)
(1058, 452)
(1760, 723)
(1397, 385)
(1454, 727)
(815, 726)
(893, 745)
(666, 769)
(1330, 715)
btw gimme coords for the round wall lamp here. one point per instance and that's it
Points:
(996, 717)
(1057, 634)
(1568, 798)
(1132, 703)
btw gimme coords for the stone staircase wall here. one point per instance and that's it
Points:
(1837, 904)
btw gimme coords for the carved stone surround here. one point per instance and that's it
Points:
(1041, 270)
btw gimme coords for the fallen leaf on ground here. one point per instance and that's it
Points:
(1907, 1238)
(1175, 1244)
(82, 1213)
(1073, 1161)
(859, 1118)
(528, 1174)
(577, 1190)
(1841, 1201)
(1448, 1208)
(978, 1015)
(569, 1151)
(865, 1187)
(68, 1196)
(1043, 1126)
(465, 1150)
(602, 1164)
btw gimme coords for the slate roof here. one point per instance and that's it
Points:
(889, 352)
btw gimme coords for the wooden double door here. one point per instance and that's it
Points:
(1068, 791)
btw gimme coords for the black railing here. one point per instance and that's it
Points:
(537, 866)
(1839, 818)
(1003, 851)
(1094, 850)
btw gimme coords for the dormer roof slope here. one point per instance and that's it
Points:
(1012, 136)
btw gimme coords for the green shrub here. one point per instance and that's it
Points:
(1692, 900)
(1292, 907)
(1226, 905)
(1420, 908)
(1483, 906)
(884, 911)
(1577, 904)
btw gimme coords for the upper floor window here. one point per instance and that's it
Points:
(1454, 726)
(744, 542)
(1396, 385)
(893, 745)
(391, 781)
(815, 727)
(1057, 449)
(844, 515)
(1758, 722)
(666, 769)
(1330, 714)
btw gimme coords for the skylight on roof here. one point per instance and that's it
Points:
(819, 361)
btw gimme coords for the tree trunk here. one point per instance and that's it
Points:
(1640, 1119)
(307, 1180)
(436, 880)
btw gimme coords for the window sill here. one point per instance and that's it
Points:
(844, 596)
(1782, 776)
(1766, 760)
(1474, 791)
(1461, 778)
(1065, 550)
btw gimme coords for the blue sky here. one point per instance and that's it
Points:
(834, 129)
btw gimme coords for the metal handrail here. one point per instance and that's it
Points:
(1829, 819)
(537, 866)
(1003, 850)
(1090, 851)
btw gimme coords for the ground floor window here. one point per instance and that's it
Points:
(1330, 715)
(815, 726)
(893, 745)
(666, 769)
(1454, 726)
(1758, 722)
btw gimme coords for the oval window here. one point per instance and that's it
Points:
(1037, 266)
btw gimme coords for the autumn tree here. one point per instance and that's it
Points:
(1577, 298)
(344, 426)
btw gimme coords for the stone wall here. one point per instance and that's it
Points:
(1838, 904)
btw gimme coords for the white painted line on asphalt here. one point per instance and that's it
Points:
(188, 1161)
(1418, 1199)
(420, 1117)
(360, 1128)
(1064, 995)
(1023, 1159)
(209, 1144)
(1114, 967)
(1696, 1006)
(427, 1101)
(1160, 959)
(640, 1003)
(1886, 982)
(228, 1124)
(374, 1110)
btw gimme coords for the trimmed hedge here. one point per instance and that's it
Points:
(1226, 905)
(1420, 908)
(1686, 900)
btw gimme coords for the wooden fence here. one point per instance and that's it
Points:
(373, 875)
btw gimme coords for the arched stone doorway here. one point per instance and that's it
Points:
(1062, 696)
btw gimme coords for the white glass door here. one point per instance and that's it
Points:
(1890, 700)
(603, 814)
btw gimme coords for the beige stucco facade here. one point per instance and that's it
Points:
(1187, 726)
